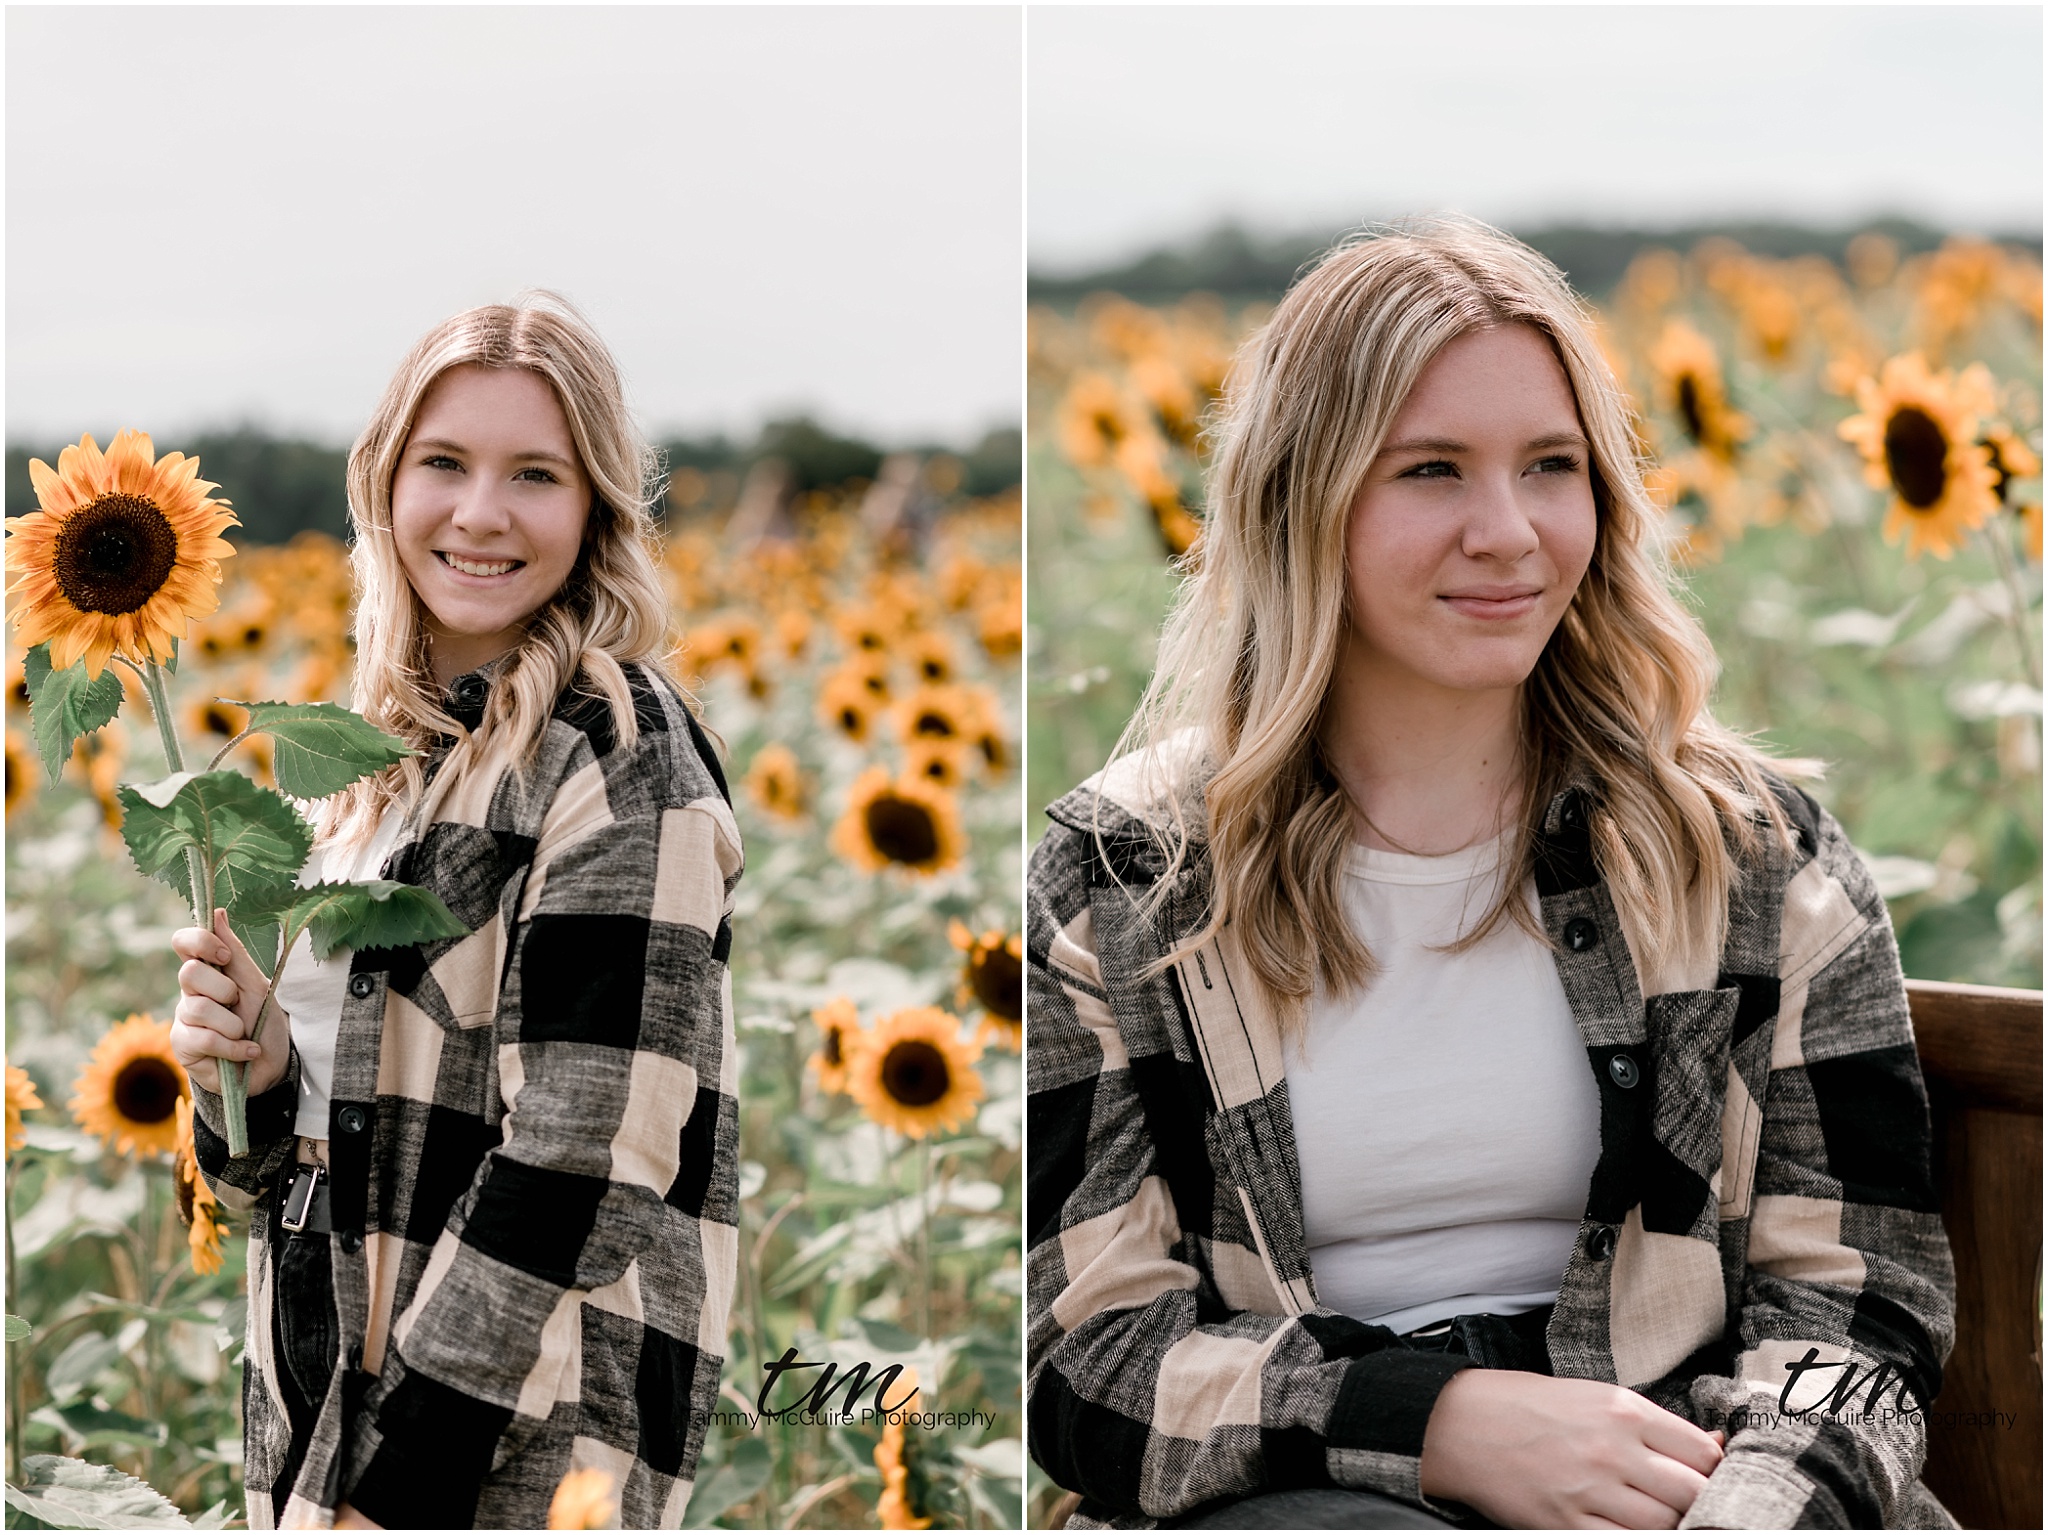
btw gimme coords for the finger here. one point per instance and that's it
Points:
(1669, 1434)
(193, 1043)
(197, 943)
(205, 1013)
(1632, 1509)
(196, 978)
(1670, 1482)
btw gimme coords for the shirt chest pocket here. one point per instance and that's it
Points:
(467, 975)
(1689, 1035)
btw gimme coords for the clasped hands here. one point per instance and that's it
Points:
(1535, 1452)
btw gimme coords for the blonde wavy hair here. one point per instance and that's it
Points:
(611, 609)
(1250, 651)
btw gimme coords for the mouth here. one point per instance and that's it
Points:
(479, 568)
(1493, 602)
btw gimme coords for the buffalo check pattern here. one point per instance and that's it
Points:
(1764, 1187)
(534, 1146)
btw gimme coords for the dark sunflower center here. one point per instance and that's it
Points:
(1689, 408)
(114, 555)
(832, 1055)
(146, 1091)
(998, 982)
(218, 722)
(902, 830)
(915, 1073)
(849, 720)
(932, 723)
(934, 671)
(1916, 454)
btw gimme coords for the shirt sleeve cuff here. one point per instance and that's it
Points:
(1377, 1425)
(1760, 1492)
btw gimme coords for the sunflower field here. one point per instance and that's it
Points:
(857, 656)
(1848, 453)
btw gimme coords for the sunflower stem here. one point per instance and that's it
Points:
(924, 1238)
(2016, 601)
(234, 1079)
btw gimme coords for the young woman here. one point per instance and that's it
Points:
(1465, 1078)
(492, 1180)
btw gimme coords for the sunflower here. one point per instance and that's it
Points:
(1094, 421)
(937, 711)
(17, 678)
(776, 781)
(838, 1024)
(128, 1093)
(931, 656)
(196, 1205)
(244, 629)
(792, 632)
(1689, 381)
(2011, 459)
(846, 704)
(585, 1500)
(124, 552)
(914, 1073)
(1000, 621)
(904, 823)
(993, 976)
(936, 761)
(871, 627)
(21, 772)
(99, 755)
(1706, 503)
(897, 1507)
(1917, 433)
(21, 1096)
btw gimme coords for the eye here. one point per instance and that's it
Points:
(1435, 469)
(439, 461)
(1558, 463)
(544, 477)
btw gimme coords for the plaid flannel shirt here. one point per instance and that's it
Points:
(534, 1145)
(1764, 1188)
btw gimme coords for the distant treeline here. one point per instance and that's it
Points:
(1240, 266)
(280, 486)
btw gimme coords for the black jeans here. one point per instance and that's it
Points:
(305, 1332)
(1491, 1342)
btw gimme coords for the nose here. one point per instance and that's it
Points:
(1498, 526)
(478, 508)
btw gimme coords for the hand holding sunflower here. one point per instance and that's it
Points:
(122, 556)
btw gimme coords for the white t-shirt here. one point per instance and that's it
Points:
(311, 992)
(1445, 1116)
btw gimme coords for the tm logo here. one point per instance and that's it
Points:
(1881, 1375)
(815, 1401)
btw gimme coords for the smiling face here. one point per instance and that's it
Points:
(488, 509)
(1476, 521)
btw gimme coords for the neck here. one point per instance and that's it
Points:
(1429, 769)
(453, 655)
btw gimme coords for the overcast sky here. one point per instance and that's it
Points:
(1148, 124)
(219, 213)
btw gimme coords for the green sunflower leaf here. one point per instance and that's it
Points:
(69, 1494)
(17, 1328)
(375, 914)
(321, 748)
(64, 705)
(250, 838)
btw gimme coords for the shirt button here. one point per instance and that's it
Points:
(470, 692)
(351, 1241)
(355, 1355)
(351, 1120)
(1599, 1243)
(1622, 1067)
(1580, 934)
(361, 985)
(1574, 813)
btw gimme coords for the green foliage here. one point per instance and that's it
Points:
(376, 914)
(321, 748)
(250, 838)
(64, 705)
(69, 1494)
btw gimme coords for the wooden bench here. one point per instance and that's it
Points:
(1980, 1051)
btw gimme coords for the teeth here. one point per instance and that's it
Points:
(472, 568)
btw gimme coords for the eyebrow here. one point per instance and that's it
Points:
(539, 455)
(1452, 445)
